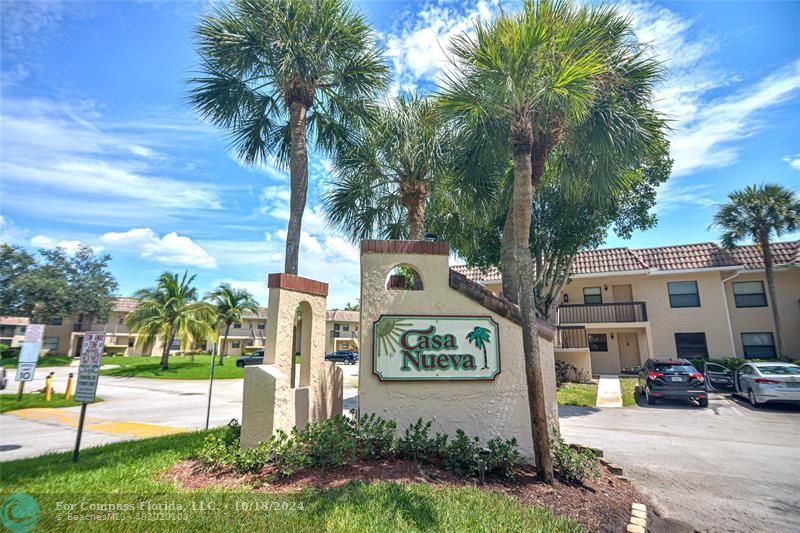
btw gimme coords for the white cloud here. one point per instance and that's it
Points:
(672, 196)
(705, 129)
(171, 249)
(708, 140)
(70, 246)
(63, 162)
(793, 160)
(418, 48)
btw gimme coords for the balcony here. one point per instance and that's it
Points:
(602, 313)
(571, 338)
(344, 334)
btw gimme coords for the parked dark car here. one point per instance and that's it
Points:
(718, 377)
(348, 357)
(255, 358)
(672, 379)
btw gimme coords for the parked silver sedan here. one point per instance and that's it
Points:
(768, 382)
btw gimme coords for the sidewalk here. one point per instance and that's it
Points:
(609, 392)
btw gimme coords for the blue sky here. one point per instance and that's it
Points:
(99, 146)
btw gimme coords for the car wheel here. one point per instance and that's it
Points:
(240, 364)
(650, 399)
(703, 402)
(753, 401)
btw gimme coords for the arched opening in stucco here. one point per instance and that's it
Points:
(301, 344)
(404, 277)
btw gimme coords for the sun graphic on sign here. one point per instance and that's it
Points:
(388, 335)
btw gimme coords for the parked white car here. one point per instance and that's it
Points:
(768, 382)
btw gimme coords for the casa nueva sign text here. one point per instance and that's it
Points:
(436, 348)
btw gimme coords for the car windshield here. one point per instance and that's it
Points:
(780, 370)
(667, 368)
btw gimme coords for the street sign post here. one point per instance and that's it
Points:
(29, 355)
(88, 374)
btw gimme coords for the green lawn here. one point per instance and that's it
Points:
(180, 367)
(8, 402)
(131, 473)
(46, 360)
(585, 394)
(582, 394)
(628, 386)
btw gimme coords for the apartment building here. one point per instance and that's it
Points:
(66, 337)
(342, 330)
(624, 305)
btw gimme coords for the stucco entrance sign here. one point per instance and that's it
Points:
(413, 347)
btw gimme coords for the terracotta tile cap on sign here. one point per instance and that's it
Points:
(297, 283)
(496, 304)
(404, 247)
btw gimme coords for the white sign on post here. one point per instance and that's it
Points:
(29, 352)
(89, 369)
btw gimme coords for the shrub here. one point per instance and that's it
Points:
(340, 440)
(417, 445)
(503, 457)
(330, 442)
(460, 455)
(569, 373)
(376, 437)
(7, 352)
(571, 465)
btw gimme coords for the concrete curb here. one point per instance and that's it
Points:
(638, 520)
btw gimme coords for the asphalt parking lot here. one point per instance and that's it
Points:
(730, 467)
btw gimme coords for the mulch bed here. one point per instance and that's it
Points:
(600, 505)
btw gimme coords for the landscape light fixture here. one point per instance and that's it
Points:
(483, 457)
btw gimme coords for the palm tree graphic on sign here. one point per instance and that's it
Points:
(480, 338)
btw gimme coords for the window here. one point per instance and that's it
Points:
(50, 343)
(235, 344)
(598, 342)
(691, 345)
(176, 345)
(56, 321)
(683, 294)
(336, 327)
(121, 320)
(346, 327)
(131, 342)
(237, 325)
(261, 325)
(749, 294)
(592, 295)
(758, 345)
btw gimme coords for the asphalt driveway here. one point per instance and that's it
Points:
(730, 467)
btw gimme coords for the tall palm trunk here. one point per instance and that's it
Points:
(224, 343)
(508, 259)
(768, 267)
(521, 141)
(165, 350)
(413, 195)
(298, 175)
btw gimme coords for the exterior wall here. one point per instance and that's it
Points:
(481, 408)
(579, 358)
(709, 318)
(759, 319)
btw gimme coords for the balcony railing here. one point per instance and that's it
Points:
(599, 313)
(571, 337)
(344, 334)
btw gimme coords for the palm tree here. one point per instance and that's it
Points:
(757, 213)
(276, 73)
(170, 310)
(383, 181)
(230, 304)
(529, 76)
(479, 336)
